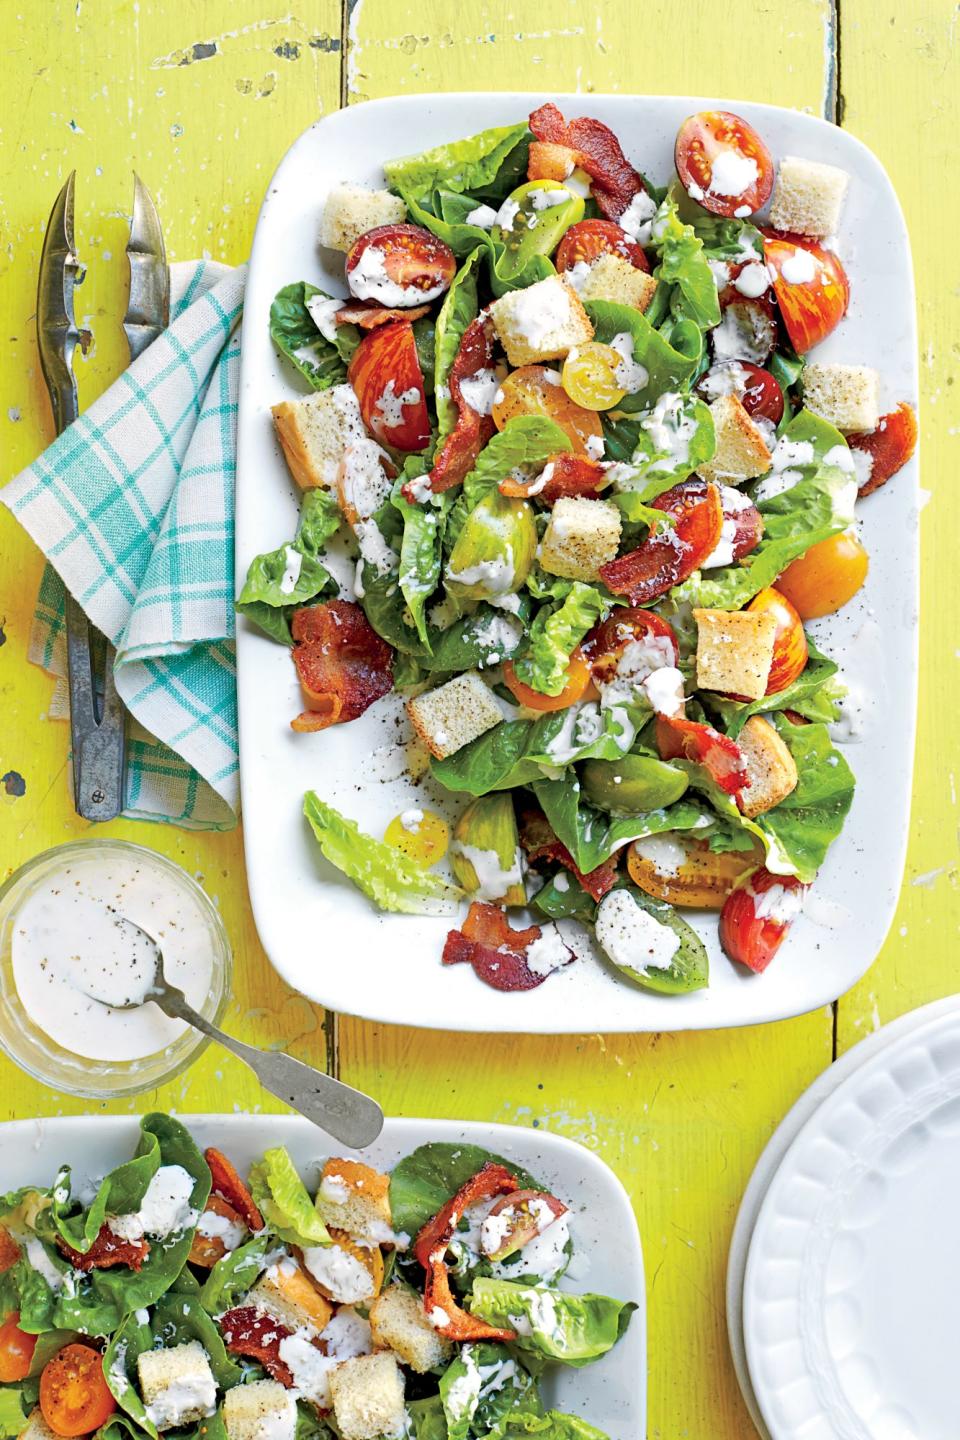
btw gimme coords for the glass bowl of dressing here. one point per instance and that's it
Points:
(68, 960)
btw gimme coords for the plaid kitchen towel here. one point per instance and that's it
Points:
(133, 508)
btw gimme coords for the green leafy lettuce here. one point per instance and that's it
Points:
(812, 695)
(555, 634)
(481, 1386)
(390, 879)
(525, 443)
(551, 1426)
(423, 1181)
(469, 164)
(321, 362)
(574, 1329)
(684, 264)
(671, 440)
(234, 1274)
(801, 829)
(282, 1199)
(669, 364)
(459, 308)
(421, 555)
(592, 836)
(266, 598)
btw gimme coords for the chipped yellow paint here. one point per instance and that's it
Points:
(202, 97)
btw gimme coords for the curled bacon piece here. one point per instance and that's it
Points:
(890, 446)
(9, 1250)
(597, 150)
(721, 757)
(107, 1250)
(343, 664)
(226, 1182)
(368, 314)
(540, 843)
(458, 1325)
(430, 1248)
(246, 1331)
(459, 450)
(673, 552)
(497, 952)
(568, 475)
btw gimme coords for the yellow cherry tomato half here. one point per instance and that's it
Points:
(589, 376)
(419, 834)
(826, 577)
(536, 390)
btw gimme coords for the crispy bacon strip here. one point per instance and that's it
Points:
(496, 951)
(225, 1182)
(343, 664)
(458, 452)
(9, 1250)
(569, 475)
(890, 446)
(246, 1331)
(107, 1250)
(540, 843)
(459, 1325)
(368, 314)
(721, 757)
(430, 1248)
(597, 151)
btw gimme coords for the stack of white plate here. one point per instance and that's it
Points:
(843, 1286)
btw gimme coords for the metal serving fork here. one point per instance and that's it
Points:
(97, 716)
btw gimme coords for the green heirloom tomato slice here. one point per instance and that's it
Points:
(631, 785)
(645, 952)
(538, 219)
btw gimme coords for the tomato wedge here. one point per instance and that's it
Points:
(721, 757)
(826, 576)
(16, 1350)
(433, 1238)
(399, 265)
(629, 625)
(811, 287)
(596, 150)
(889, 447)
(206, 1250)
(757, 390)
(755, 919)
(385, 373)
(225, 1181)
(75, 1398)
(673, 552)
(723, 164)
(522, 1215)
(589, 239)
(790, 651)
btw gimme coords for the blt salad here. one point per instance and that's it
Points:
(176, 1297)
(594, 486)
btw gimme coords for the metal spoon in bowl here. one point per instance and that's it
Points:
(347, 1114)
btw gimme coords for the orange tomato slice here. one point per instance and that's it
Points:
(579, 686)
(826, 577)
(536, 390)
(74, 1396)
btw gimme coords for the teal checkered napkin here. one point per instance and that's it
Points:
(133, 508)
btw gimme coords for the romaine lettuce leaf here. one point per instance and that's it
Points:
(320, 361)
(574, 1329)
(592, 836)
(551, 1426)
(429, 1421)
(483, 1384)
(282, 1199)
(526, 442)
(459, 308)
(808, 687)
(421, 554)
(672, 439)
(119, 1192)
(265, 598)
(13, 1412)
(555, 634)
(390, 879)
(233, 1275)
(469, 164)
(801, 829)
(684, 264)
(669, 364)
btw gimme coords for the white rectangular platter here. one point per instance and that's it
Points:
(611, 1393)
(322, 935)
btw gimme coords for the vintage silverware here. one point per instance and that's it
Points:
(346, 1114)
(148, 308)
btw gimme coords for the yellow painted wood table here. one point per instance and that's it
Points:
(202, 97)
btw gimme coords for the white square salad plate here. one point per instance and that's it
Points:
(322, 934)
(608, 1259)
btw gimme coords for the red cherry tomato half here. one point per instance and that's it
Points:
(758, 390)
(399, 265)
(385, 373)
(789, 642)
(16, 1350)
(746, 520)
(811, 287)
(754, 920)
(890, 446)
(673, 552)
(607, 641)
(723, 163)
(589, 239)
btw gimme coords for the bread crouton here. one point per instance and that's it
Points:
(288, 1295)
(612, 277)
(546, 161)
(177, 1385)
(37, 1428)
(808, 196)
(770, 766)
(398, 1323)
(543, 322)
(368, 1395)
(742, 453)
(346, 1272)
(263, 1410)
(315, 431)
(351, 210)
(846, 395)
(581, 535)
(735, 650)
(356, 1198)
(451, 716)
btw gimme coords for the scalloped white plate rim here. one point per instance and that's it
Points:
(763, 1241)
(612, 1393)
(393, 972)
(771, 1158)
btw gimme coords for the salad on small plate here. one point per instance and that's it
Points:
(176, 1296)
(572, 487)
